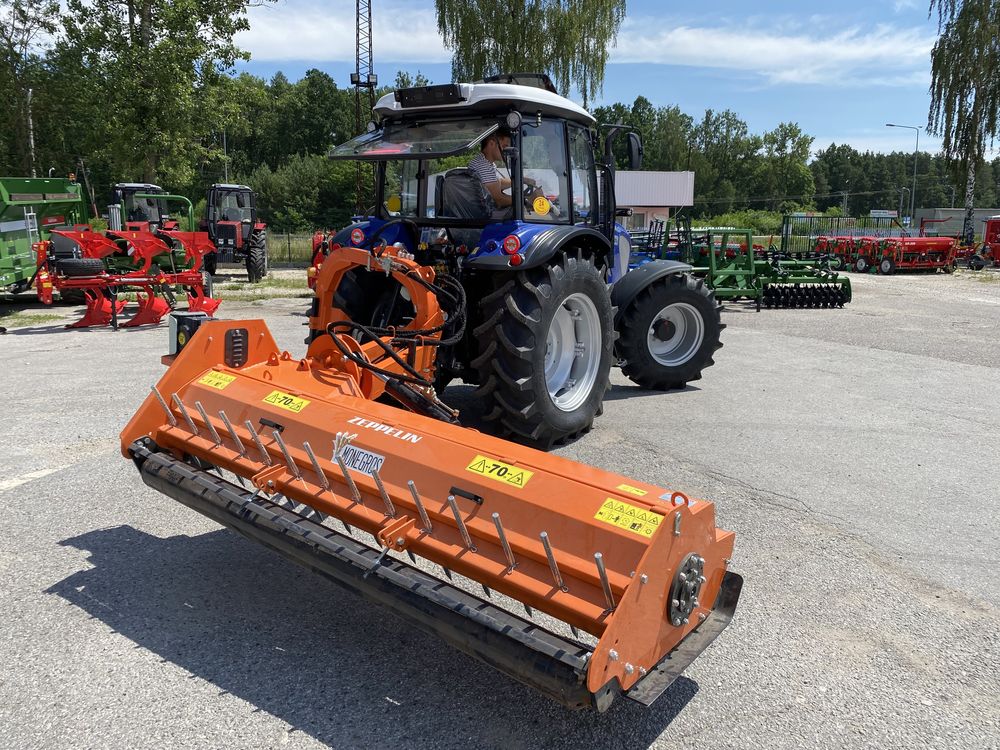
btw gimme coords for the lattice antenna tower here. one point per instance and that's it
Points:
(364, 81)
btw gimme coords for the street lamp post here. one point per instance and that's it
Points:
(913, 191)
(901, 191)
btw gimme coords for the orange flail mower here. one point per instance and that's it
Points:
(454, 530)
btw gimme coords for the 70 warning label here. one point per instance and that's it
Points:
(629, 517)
(499, 471)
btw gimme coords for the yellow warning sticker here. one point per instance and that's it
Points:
(631, 490)
(217, 380)
(624, 516)
(541, 205)
(286, 401)
(499, 471)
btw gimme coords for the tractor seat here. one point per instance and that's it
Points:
(459, 194)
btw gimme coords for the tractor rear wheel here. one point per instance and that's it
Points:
(546, 344)
(210, 263)
(669, 333)
(257, 256)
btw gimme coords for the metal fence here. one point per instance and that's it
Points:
(799, 233)
(283, 248)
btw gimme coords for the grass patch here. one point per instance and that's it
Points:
(980, 277)
(26, 319)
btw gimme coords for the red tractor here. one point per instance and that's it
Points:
(989, 252)
(234, 228)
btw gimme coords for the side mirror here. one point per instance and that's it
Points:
(634, 151)
(623, 212)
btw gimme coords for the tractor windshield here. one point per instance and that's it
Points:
(144, 209)
(416, 140)
(232, 205)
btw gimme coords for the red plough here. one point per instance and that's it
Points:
(102, 266)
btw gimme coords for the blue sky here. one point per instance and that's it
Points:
(840, 70)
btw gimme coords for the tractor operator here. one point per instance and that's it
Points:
(483, 165)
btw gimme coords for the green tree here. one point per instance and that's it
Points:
(965, 87)
(23, 26)
(157, 61)
(569, 39)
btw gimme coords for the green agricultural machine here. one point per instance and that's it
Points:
(29, 208)
(735, 269)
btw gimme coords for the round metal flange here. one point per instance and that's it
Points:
(684, 593)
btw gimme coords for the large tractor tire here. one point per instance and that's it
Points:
(210, 263)
(546, 346)
(669, 333)
(257, 257)
(976, 263)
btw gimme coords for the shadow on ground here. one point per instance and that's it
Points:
(333, 666)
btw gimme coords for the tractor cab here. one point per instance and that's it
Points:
(499, 172)
(230, 215)
(134, 207)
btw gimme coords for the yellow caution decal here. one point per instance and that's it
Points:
(215, 379)
(499, 471)
(286, 401)
(629, 517)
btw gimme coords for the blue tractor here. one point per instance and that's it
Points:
(507, 191)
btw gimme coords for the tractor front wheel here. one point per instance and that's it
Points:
(669, 333)
(257, 257)
(546, 344)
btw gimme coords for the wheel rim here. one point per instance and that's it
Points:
(572, 352)
(676, 333)
(885, 266)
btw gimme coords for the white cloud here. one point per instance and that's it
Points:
(881, 55)
(324, 32)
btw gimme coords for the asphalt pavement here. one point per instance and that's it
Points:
(854, 452)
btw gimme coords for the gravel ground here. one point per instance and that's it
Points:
(854, 452)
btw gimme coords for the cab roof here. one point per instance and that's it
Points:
(483, 98)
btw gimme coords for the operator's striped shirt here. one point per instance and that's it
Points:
(484, 169)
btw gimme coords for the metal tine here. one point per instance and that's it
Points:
(320, 474)
(609, 597)
(413, 558)
(341, 441)
(574, 631)
(211, 428)
(390, 509)
(184, 412)
(232, 433)
(420, 507)
(170, 415)
(461, 524)
(556, 575)
(265, 456)
(293, 467)
(355, 493)
(511, 562)
(486, 590)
